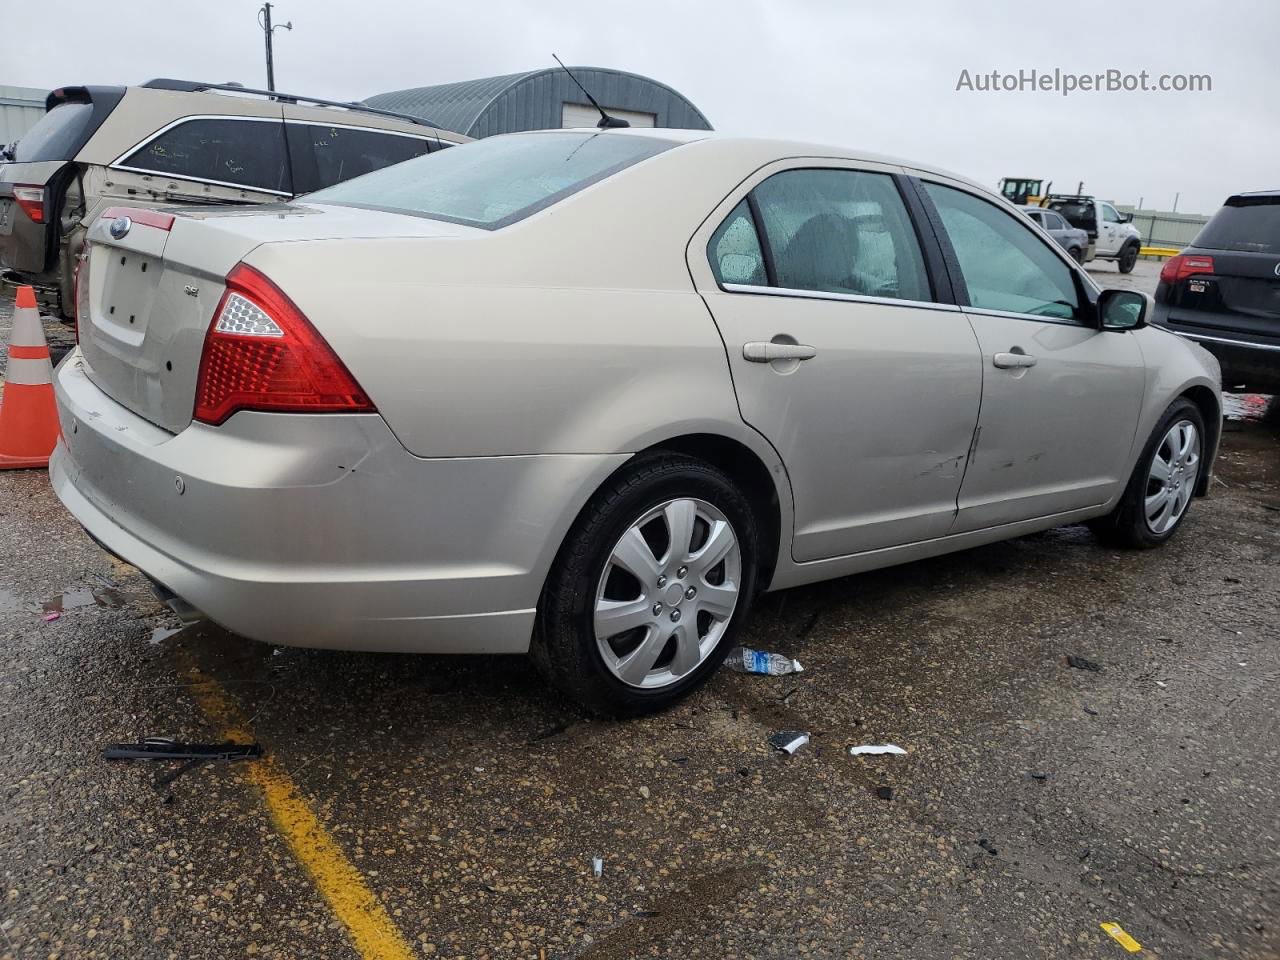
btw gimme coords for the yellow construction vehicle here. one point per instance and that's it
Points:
(1024, 191)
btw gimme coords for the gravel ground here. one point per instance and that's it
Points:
(1036, 801)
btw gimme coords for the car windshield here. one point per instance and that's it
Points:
(495, 182)
(1246, 225)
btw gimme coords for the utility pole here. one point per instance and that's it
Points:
(1177, 196)
(264, 21)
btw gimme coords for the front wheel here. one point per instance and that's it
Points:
(649, 588)
(1155, 502)
(1128, 258)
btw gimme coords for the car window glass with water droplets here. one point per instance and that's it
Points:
(841, 231)
(734, 249)
(1004, 264)
(495, 182)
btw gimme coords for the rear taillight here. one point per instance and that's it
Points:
(148, 218)
(1184, 265)
(261, 353)
(81, 289)
(31, 199)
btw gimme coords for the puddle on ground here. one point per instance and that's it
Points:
(1249, 407)
(10, 602)
(83, 597)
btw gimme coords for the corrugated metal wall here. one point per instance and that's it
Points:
(536, 102)
(20, 108)
(1161, 228)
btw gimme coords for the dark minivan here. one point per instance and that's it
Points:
(1223, 291)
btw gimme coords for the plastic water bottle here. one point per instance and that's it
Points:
(746, 660)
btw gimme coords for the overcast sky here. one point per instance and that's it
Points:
(876, 75)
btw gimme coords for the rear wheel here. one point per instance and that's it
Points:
(1128, 257)
(1163, 483)
(1077, 254)
(649, 587)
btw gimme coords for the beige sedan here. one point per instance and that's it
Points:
(585, 394)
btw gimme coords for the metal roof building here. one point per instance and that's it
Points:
(544, 99)
(20, 108)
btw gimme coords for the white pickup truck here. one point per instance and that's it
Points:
(1112, 235)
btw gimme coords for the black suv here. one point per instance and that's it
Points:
(1223, 291)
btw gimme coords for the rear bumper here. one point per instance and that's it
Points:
(1246, 359)
(321, 530)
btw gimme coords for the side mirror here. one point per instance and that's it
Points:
(1126, 218)
(1123, 309)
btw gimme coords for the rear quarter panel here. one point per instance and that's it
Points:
(577, 330)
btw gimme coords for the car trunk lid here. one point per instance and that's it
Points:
(152, 286)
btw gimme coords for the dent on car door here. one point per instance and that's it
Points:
(1061, 397)
(866, 386)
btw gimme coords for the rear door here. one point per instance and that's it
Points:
(864, 381)
(1060, 397)
(33, 185)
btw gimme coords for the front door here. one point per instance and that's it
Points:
(866, 385)
(1060, 398)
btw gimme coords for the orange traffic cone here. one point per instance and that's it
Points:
(28, 416)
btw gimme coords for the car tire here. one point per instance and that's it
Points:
(678, 619)
(1128, 257)
(1077, 255)
(1133, 523)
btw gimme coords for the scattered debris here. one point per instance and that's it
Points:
(1080, 663)
(988, 846)
(877, 749)
(789, 741)
(1161, 683)
(1090, 711)
(597, 866)
(1039, 775)
(50, 617)
(746, 660)
(160, 748)
(884, 793)
(1116, 932)
(644, 792)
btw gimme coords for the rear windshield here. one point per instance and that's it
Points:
(495, 182)
(1245, 224)
(58, 135)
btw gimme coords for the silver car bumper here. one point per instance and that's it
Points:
(321, 530)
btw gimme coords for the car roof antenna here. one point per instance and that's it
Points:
(606, 121)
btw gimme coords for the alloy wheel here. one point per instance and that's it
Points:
(667, 593)
(1171, 479)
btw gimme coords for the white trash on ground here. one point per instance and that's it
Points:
(746, 660)
(877, 749)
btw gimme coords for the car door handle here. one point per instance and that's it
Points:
(1011, 361)
(760, 352)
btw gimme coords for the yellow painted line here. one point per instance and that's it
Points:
(1119, 936)
(339, 882)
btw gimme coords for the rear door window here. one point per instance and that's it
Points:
(240, 152)
(1005, 265)
(324, 154)
(841, 231)
(735, 251)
